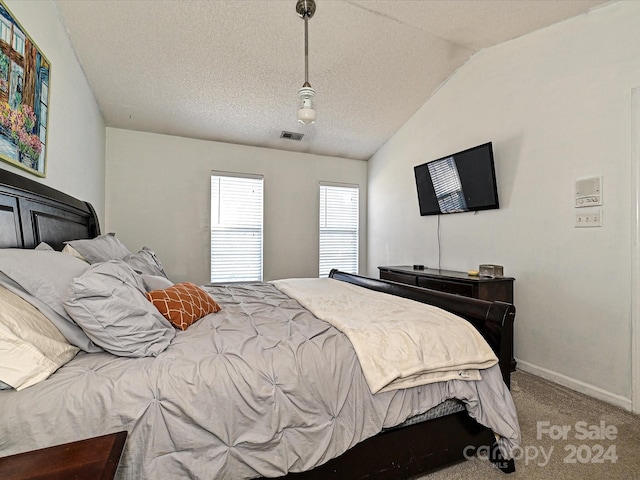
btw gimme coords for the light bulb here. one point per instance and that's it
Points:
(306, 115)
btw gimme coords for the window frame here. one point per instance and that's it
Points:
(355, 231)
(216, 224)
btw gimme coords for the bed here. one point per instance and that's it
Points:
(260, 388)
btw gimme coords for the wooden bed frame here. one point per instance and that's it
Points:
(31, 212)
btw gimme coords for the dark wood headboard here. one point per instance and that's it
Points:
(31, 212)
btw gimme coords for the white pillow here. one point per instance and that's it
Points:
(31, 348)
(69, 250)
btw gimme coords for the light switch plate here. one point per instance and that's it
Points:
(588, 219)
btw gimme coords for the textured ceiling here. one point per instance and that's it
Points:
(230, 71)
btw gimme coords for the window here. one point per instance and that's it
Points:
(5, 30)
(236, 227)
(18, 41)
(16, 86)
(338, 228)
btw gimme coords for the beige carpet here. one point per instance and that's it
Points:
(558, 429)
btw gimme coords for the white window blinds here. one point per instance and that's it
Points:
(338, 228)
(236, 227)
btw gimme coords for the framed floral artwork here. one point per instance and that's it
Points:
(24, 97)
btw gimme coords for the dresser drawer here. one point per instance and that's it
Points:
(448, 281)
(447, 286)
(399, 277)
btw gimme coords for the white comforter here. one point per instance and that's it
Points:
(400, 343)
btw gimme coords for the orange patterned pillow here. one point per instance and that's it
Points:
(183, 304)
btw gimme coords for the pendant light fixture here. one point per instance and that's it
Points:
(306, 115)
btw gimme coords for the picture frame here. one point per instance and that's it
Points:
(24, 97)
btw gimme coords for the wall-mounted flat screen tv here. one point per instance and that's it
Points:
(462, 182)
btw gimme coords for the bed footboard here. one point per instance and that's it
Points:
(494, 320)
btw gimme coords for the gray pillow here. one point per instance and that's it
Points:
(145, 262)
(72, 332)
(4, 386)
(108, 301)
(44, 246)
(44, 274)
(100, 249)
(41, 278)
(155, 282)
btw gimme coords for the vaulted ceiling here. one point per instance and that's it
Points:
(230, 70)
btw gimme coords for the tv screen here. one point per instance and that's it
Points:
(462, 182)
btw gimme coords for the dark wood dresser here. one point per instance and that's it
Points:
(449, 281)
(94, 458)
(459, 283)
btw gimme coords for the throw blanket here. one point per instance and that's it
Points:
(400, 343)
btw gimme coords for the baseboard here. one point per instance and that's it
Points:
(577, 385)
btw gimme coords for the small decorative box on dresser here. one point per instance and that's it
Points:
(459, 283)
(94, 458)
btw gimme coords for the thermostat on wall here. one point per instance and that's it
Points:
(589, 192)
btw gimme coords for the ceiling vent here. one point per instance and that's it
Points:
(292, 135)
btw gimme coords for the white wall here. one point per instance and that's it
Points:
(556, 104)
(158, 195)
(76, 134)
